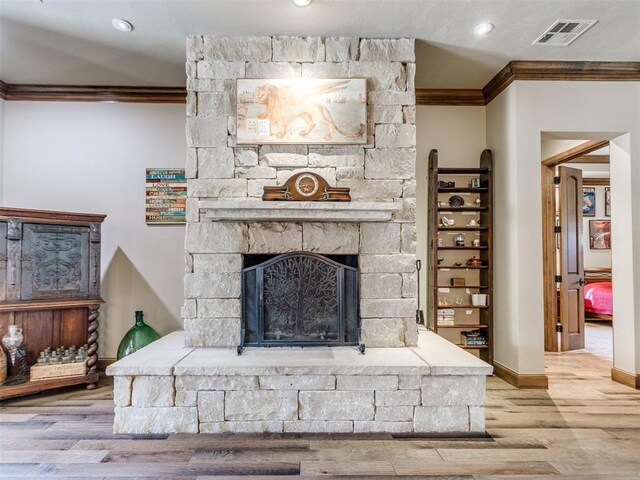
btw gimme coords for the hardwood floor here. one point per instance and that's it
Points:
(584, 427)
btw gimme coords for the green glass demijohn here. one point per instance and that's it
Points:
(138, 336)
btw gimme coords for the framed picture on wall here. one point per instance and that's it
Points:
(600, 234)
(588, 202)
(301, 111)
(607, 201)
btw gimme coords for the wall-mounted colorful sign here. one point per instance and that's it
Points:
(166, 195)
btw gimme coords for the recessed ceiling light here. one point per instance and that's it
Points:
(122, 25)
(302, 3)
(482, 28)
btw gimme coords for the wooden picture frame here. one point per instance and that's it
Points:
(301, 111)
(600, 234)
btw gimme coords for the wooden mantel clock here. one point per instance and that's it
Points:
(307, 186)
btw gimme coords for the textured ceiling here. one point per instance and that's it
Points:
(73, 42)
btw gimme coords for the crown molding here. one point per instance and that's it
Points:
(532, 70)
(449, 96)
(82, 93)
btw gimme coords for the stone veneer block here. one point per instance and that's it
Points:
(212, 285)
(391, 98)
(216, 104)
(221, 262)
(341, 49)
(388, 49)
(400, 135)
(207, 188)
(149, 420)
(218, 307)
(297, 49)
(387, 308)
(398, 398)
(407, 213)
(297, 382)
(441, 419)
(219, 69)
(186, 399)
(336, 405)
(152, 391)
(318, 426)
(284, 155)
(325, 70)
(195, 47)
(336, 157)
(386, 427)
(380, 285)
(242, 427)
(390, 163)
(477, 419)
(273, 70)
(122, 391)
(409, 285)
(408, 238)
(367, 382)
(386, 114)
(216, 382)
(215, 162)
(380, 75)
(271, 237)
(211, 406)
(380, 238)
(191, 166)
(403, 413)
(189, 308)
(387, 263)
(246, 157)
(208, 332)
(331, 238)
(409, 114)
(409, 382)
(240, 49)
(382, 332)
(453, 390)
(259, 172)
(372, 190)
(410, 332)
(256, 187)
(216, 237)
(261, 405)
(206, 132)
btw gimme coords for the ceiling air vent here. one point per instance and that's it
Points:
(563, 32)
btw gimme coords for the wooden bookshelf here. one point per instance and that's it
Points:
(478, 279)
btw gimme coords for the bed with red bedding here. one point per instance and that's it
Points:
(598, 300)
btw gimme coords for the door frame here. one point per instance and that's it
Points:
(548, 166)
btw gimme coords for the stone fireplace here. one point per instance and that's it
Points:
(227, 219)
(324, 275)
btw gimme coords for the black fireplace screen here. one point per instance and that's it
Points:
(300, 299)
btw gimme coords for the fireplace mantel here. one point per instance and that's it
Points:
(256, 210)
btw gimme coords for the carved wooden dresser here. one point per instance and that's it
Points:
(50, 286)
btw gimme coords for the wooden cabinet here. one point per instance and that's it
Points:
(461, 208)
(50, 286)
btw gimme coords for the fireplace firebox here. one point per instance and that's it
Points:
(300, 299)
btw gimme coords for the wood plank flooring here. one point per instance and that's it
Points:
(584, 427)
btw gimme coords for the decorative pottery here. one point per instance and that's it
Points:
(138, 336)
(459, 240)
(448, 222)
(479, 299)
(13, 342)
(474, 262)
(456, 201)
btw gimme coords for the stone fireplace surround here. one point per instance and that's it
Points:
(194, 381)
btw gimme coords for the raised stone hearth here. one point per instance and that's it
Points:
(168, 388)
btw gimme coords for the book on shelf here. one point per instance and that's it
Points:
(446, 317)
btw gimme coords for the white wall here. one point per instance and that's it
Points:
(516, 120)
(459, 135)
(91, 157)
(2, 145)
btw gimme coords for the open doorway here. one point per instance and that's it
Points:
(577, 256)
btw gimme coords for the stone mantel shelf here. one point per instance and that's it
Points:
(256, 210)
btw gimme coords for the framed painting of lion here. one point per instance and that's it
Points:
(301, 111)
